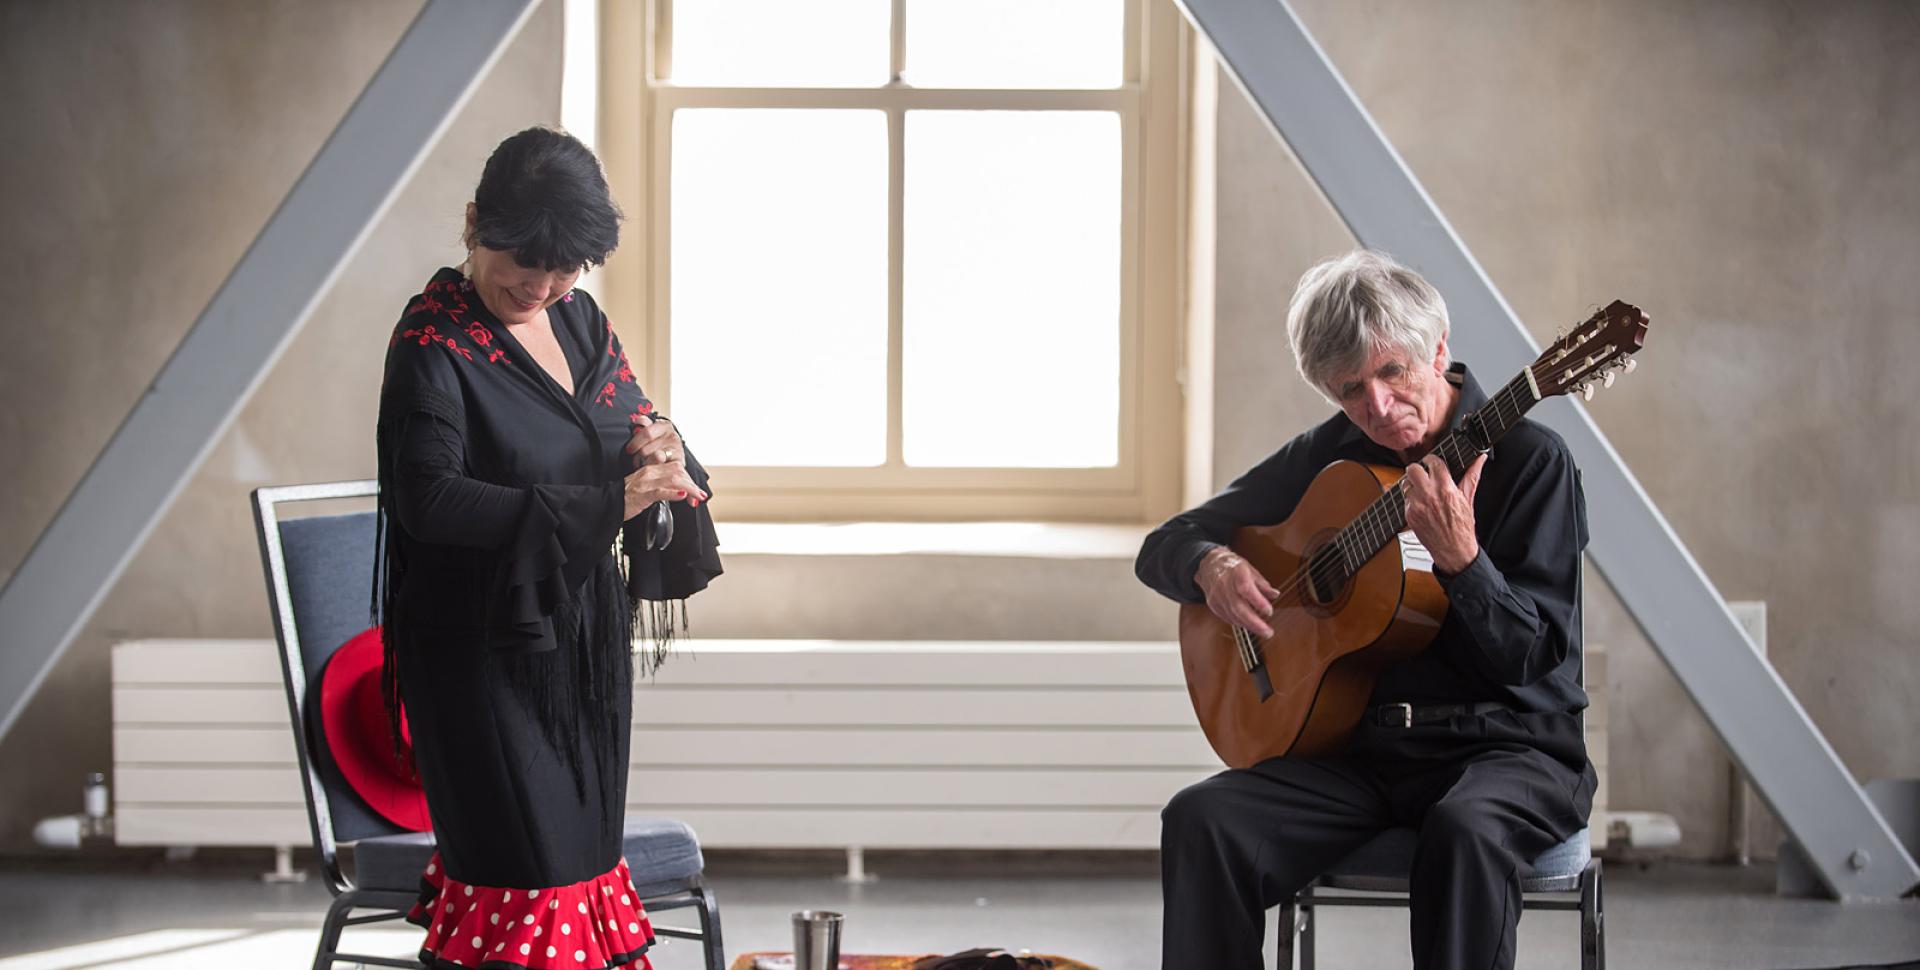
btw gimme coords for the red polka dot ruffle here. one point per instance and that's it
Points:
(594, 925)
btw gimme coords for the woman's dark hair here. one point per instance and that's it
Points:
(544, 199)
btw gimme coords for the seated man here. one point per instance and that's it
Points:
(1493, 771)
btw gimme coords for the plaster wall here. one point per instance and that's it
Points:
(149, 141)
(1743, 171)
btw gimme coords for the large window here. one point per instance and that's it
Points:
(914, 258)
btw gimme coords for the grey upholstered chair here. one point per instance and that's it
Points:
(319, 578)
(1566, 877)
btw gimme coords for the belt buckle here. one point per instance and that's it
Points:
(1406, 714)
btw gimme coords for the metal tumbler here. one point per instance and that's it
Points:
(816, 940)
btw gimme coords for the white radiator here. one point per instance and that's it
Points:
(755, 743)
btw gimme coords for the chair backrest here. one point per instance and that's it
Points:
(319, 572)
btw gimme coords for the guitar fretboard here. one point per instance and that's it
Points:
(1387, 516)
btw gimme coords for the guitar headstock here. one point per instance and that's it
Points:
(1598, 349)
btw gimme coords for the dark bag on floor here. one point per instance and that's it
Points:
(983, 958)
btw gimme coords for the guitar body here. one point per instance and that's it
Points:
(1328, 644)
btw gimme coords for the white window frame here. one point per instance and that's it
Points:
(635, 135)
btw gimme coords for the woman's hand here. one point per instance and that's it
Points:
(655, 442)
(663, 482)
(1236, 592)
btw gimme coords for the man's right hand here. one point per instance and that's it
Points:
(1236, 592)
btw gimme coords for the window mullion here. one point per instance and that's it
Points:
(896, 270)
(662, 34)
(1134, 71)
(898, 38)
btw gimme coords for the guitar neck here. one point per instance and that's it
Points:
(1387, 516)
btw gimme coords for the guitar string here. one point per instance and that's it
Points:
(1320, 575)
(1376, 517)
(1380, 515)
(1376, 514)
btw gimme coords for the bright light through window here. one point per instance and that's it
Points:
(1015, 43)
(779, 284)
(775, 43)
(1012, 289)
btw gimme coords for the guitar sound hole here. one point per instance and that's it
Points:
(1325, 578)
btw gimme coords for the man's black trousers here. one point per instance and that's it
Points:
(1488, 794)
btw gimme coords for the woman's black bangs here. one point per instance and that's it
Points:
(541, 240)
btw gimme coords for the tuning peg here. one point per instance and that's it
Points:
(1586, 390)
(1631, 364)
(1606, 379)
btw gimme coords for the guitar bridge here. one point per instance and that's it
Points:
(1262, 682)
(1251, 659)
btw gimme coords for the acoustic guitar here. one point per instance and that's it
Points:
(1357, 591)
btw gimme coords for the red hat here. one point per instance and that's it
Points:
(354, 720)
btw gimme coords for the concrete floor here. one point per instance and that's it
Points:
(211, 914)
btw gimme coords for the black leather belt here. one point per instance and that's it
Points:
(1408, 715)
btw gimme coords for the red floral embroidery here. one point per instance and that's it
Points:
(479, 334)
(444, 300)
(453, 308)
(626, 371)
(639, 413)
(428, 335)
(607, 395)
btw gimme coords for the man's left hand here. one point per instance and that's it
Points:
(1440, 512)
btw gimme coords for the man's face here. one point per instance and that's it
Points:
(1400, 403)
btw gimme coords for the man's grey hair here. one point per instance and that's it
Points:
(1348, 307)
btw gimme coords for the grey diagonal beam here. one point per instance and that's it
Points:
(331, 209)
(1273, 58)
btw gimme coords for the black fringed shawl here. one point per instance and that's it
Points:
(501, 501)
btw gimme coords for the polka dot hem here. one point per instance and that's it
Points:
(594, 925)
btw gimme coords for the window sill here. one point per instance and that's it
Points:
(1023, 540)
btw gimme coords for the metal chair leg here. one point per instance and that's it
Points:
(1593, 939)
(1307, 918)
(710, 930)
(1283, 943)
(330, 932)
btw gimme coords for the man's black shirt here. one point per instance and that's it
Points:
(1512, 632)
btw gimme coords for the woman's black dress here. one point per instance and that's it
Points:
(509, 615)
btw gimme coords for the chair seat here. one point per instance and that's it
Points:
(388, 863)
(1382, 865)
(663, 853)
